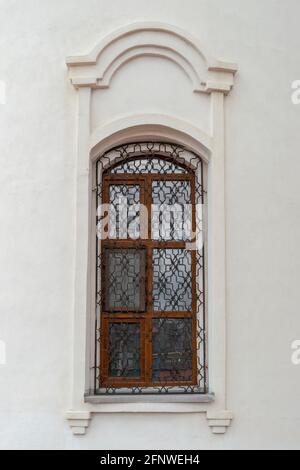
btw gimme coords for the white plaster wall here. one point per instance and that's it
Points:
(37, 210)
(143, 86)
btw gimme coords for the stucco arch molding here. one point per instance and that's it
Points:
(96, 69)
(151, 126)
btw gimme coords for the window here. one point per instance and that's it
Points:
(150, 319)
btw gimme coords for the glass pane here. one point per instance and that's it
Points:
(172, 350)
(149, 165)
(125, 280)
(124, 350)
(172, 280)
(124, 211)
(171, 210)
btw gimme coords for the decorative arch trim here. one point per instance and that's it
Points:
(150, 50)
(132, 28)
(97, 68)
(151, 127)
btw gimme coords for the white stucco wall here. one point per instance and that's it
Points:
(37, 214)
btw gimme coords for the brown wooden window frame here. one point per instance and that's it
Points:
(146, 315)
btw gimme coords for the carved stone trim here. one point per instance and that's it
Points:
(219, 421)
(96, 69)
(79, 421)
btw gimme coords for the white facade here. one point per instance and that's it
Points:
(51, 132)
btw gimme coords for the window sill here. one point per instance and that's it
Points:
(128, 399)
(218, 419)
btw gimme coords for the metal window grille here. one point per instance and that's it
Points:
(150, 283)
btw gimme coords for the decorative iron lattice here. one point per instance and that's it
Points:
(155, 165)
(124, 211)
(172, 215)
(172, 350)
(172, 280)
(124, 350)
(124, 280)
(150, 284)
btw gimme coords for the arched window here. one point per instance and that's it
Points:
(149, 292)
(150, 283)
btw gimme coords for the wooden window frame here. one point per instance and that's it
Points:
(145, 319)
